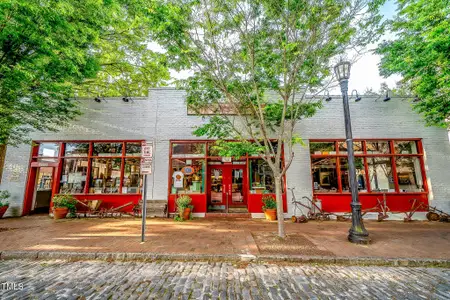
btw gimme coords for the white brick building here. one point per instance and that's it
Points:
(419, 169)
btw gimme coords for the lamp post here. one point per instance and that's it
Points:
(357, 233)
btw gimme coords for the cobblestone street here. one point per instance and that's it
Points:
(201, 280)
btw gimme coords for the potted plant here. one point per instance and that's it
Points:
(269, 207)
(184, 207)
(3, 204)
(63, 204)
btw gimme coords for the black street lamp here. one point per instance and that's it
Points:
(357, 233)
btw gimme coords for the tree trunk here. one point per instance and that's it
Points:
(280, 211)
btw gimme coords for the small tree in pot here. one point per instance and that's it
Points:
(269, 207)
(3, 203)
(184, 207)
(63, 204)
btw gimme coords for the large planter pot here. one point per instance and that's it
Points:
(271, 214)
(3, 209)
(186, 213)
(60, 212)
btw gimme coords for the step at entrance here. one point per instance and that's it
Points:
(156, 208)
(228, 215)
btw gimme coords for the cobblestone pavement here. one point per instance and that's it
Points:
(202, 280)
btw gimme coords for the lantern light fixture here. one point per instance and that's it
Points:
(342, 70)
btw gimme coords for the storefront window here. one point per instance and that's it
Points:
(107, 149)
(133, 149)
(105, 175)
(73, 177)
(48, 149)
(132, 177)
(321, 148)
(188, 149)
(380, 174)
(77, 149)
(324, 175)
(405, 147)
(357, 148)
(378, 147)
(188, 176)
(360, 174)
(408, 174)
(261, 177)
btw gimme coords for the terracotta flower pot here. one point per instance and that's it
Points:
(60, 212)
(271, 214)
(186, 213)
(3, 209)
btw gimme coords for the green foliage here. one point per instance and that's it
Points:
(184, 201)
(51, 48)
(4, 195)
(269, 202)
(237, 149)
(65, 200)
(420, 54)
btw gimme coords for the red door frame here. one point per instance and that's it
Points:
(227, 183)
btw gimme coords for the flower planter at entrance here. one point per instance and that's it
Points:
(60, 212)
(271, 214)
(3, 209)
(186, 213)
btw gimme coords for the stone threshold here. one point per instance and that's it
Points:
(234, 258)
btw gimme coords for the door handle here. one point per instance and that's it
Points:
(229, 189)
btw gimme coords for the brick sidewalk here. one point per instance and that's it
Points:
(391, 239)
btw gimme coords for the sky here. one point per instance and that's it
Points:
(364, 73)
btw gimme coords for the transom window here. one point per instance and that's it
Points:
(383, 166)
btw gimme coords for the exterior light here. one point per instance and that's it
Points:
(97, 99)
(387, 98)
(328, 98)
(342, 70)
(125, 99)
(357, 233)
(358, 97)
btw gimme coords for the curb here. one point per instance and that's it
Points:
(234, 258)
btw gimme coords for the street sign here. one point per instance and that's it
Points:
(146, 157)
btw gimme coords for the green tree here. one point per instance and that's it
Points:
(51, 48)
(420, 53)
(256, 62)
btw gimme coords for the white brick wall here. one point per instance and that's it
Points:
(162, 117)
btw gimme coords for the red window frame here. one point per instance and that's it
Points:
(61, 156)
(392, 155)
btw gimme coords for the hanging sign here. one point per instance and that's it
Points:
(226, 159)
(188, 170)
(146, 157)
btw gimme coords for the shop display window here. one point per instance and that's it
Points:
(188, 149)
(261, 177)
(107, 149)
(405, 147)
(105, 175)
(375, 171)
(132, 178)
(188, 176)
(77, 149)
(378, 147)
(360, 174)
(409, 175)
(133, 149)
(380, 174)
(73, 175)
(322, 148)
(49, 149)
(324, 174)
(357, 148)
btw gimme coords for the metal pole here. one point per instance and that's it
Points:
(144, 209)
(357, 233)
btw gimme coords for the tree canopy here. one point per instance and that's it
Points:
(49, 49)
(420, 53)
(258, 64)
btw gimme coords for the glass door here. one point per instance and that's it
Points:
(43, 190)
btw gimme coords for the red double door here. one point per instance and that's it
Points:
(227, 186)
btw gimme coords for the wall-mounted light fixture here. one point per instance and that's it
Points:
(97, 99)
(125, 99)
(357, 96)
(328, 98)
(387, 98)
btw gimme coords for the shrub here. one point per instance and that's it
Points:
(3, 196)
(65, 200)
(269, 202)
